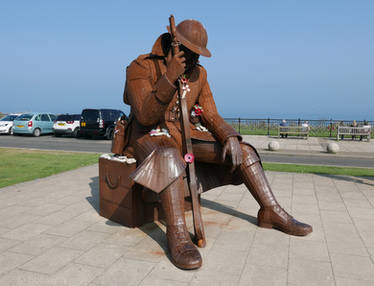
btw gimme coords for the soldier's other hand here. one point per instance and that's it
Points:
(232, 148)
(176, 65)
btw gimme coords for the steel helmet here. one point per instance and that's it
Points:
(192, 34)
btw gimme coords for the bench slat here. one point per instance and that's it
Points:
(295, 130)
(354, 131)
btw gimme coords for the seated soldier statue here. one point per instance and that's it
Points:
(153, 138)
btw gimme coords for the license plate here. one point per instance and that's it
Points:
(61, 124)
(83, 124)
(20, 126)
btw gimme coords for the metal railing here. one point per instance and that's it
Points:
(269, 126)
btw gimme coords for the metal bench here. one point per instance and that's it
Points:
(299, 131)
(354, 131)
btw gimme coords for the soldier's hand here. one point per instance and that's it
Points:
(175, 65)
(232, 147)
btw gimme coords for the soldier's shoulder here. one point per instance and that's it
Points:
(139, 65)
(141, 59)
(201, 67)
(203, 72)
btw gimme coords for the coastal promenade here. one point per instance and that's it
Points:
(313, 145)
(313, 151)
(51, 233)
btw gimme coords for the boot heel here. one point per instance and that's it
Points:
(265, 225)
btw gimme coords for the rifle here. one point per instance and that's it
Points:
(187, 146)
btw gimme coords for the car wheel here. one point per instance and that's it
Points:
(76, 133)
(109, 134)
(10, 131)
(36, 132)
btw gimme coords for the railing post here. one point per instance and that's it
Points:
(330, 126)
(239, 125)
(268, 126)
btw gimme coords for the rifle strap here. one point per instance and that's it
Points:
(197, 219)
(157, 66)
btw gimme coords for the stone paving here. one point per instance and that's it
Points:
(51, 234)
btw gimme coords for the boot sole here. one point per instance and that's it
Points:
(270, 225)
(187, 267)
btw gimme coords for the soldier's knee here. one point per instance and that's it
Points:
(249, 155)
(161, 168)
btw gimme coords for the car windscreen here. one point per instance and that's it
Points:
(76, 117)
(64, 117)
(90, 115)
(25, 117)
(8, 118)
(110, 115)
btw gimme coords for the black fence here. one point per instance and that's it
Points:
(269, 126)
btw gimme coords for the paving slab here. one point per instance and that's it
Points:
(68, 243)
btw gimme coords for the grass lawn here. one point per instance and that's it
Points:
(21, 165)
(330, 170)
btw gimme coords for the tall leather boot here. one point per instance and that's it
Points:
(271, 214)
(183, 252)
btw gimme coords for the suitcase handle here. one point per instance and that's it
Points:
(110, 183)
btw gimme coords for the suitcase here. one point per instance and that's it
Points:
(122, 200)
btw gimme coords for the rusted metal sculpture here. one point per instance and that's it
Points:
(187, 143)
(154, 137)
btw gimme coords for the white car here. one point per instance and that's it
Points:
(67, 124)
(6, 123)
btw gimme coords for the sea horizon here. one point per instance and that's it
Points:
(290, 117)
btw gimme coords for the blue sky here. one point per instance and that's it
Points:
(308, 59)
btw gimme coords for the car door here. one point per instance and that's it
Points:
(37, 122)
(46, 123)
(52, 119)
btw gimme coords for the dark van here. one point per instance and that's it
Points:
(99, 122)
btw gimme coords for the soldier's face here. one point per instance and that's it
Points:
(191, 58)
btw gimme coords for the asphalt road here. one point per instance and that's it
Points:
(48, 142)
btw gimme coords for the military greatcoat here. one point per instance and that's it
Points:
(154, 105)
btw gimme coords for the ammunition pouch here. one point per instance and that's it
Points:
(119, 135)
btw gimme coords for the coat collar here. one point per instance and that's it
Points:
(162, 45)
(161, 49)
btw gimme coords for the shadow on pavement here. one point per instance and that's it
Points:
(158, 235)
(152, 229)
(94, 200)
(228, 210)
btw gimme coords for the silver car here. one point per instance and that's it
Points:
(6, 123)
